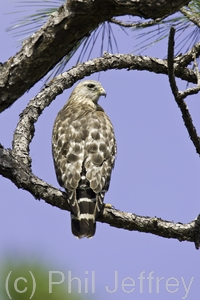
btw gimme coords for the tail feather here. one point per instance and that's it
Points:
(83, 227)
(84, 223)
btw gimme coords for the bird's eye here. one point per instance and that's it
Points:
(91, 85)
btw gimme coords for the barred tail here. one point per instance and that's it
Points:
(84, 222)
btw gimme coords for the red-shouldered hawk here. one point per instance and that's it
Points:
(84, 150)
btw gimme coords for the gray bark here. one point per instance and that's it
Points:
(22, 177)
(73, 21)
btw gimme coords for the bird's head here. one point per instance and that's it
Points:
(88, 90)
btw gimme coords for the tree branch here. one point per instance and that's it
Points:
(170, 61)
(25, 129)
(180, 96)
(183, 232)
(64, 29)
(136, 25)
(191, 16)
(187, 58)
(21, 176)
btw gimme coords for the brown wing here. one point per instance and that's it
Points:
(100, 150)
(83, 144)
(84, 150)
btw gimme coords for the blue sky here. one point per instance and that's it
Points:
(157, 173)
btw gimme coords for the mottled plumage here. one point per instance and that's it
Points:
(84, 149)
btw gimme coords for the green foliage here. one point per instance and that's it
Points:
(26, 24)
(187, 30)
(20, 278)
(194, 6)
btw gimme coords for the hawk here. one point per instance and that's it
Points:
(84, 150)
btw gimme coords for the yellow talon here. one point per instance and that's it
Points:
(108, 205)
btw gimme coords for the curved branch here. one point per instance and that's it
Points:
(21, 176)
(25, 128)
(64, 29)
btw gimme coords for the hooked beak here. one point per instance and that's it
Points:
(103, 92)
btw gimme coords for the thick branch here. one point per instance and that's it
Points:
(65, 28)
(21, 176)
